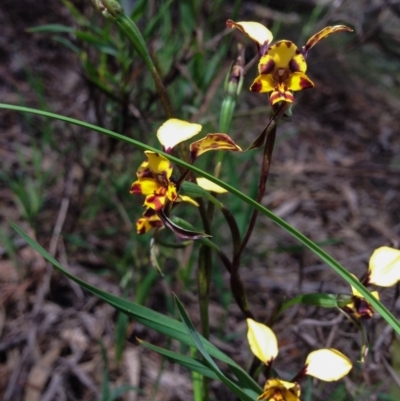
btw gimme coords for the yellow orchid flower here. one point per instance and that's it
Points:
(360, 307)
(148, 221)
(280, 390)
(282, 67)
(384, 267)
(324, 364)
(154, 181)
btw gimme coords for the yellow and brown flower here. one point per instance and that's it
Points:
(282, 66)
(326, 364)
(280, 390)
(282, 71)
(154, 181)
(148, 221)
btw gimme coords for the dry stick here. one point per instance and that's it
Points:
(42, 291)
(62, 214)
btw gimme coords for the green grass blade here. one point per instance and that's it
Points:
(377, 305)
(186, 361)
(238, 390)
(152, 319)
(321, 300)
(52, 28)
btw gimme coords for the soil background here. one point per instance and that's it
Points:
(335, 177)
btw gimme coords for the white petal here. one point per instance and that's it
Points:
(174, 131)
(210, 186)
(328, 364)
(262, 341)
(384, 267)
(254, 30)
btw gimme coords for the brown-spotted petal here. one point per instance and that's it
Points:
(324, 33)
(213, 142)
(281, 94)
(144, 186)
(299, 81)
(286, 55)
(254, 30)
(148, 221)
(158, 164)
(175, 131)
(263, 83)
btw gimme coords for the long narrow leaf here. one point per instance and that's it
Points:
(186, 361)
(152, 319)
(239, 391)
(379, 307)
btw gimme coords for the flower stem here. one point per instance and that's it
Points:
(265, 167)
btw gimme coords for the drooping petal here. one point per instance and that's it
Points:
(174, 131)
(159, 165)
(213, 142)
(324, 33)
(262, 341)
(263, 83)
(327, 364)
(155, 201)
(187, 199)
(148, 221)
(171, 192)
(210, 186)
(144, 186)
(384, 267)
(254, 30)
(276, 389)
(299, 81)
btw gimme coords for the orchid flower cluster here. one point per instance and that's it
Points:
(154, 176)
(282, 66)
(326, 364)
(282, 70)
(383, 271)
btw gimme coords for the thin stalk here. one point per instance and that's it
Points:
(204, 281)
(265, 167)
(196, 379)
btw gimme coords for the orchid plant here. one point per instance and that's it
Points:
(164, 188)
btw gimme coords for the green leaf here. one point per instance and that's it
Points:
(52, 28)
(329, 260)
(322, 300)
(149, 318)
(244, 393)
(186, 361)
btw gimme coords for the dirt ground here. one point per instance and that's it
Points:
(335, 177)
